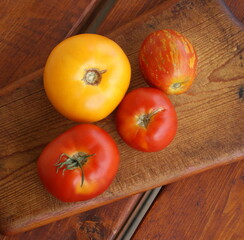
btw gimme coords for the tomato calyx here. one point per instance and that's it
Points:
(77, 160)
(93, 76)
(176, 85)
(144, 119)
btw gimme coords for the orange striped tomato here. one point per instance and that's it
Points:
(168, 61)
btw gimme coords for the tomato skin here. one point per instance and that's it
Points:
(66, 70)
(161, 128)
(99, 170)
(168, 61)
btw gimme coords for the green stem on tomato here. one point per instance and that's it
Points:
(143, 120)
(78, 160)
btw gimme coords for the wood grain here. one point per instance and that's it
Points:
(102, 223)
(125, 11)
(208, 115)
(33, 30)
(236, 9)
(207, 206)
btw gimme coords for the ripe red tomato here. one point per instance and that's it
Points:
(168, 61)
(146, 119)
(79, 164)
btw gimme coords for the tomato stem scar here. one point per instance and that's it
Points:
(176, 85)
(77, 160)
(143, 120)
(93, 76)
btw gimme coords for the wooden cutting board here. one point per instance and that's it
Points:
(210, 119)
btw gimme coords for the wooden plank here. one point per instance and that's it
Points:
(138, 214)
(207, 206)
(207, 134)
(102, 223)
(125, 11)
(236, 8)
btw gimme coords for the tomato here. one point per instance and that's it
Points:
(168, 61)
(86, 76)
(146, 119)
(79, 164)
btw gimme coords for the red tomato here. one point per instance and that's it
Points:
(79, 164)
(146, 119)
(168, 61)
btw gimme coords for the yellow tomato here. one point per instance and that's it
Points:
(86, 76)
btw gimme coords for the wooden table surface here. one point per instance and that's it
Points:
(73, 23)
